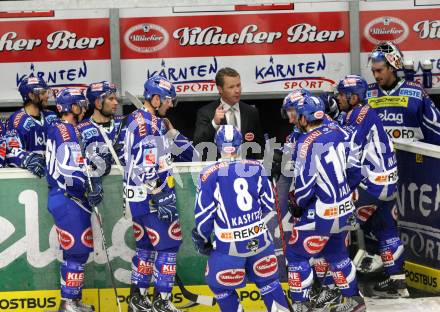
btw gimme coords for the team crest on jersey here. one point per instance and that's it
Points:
(65, 239)
(315, 244)
(231, 277)
(138, 231)
(174, 231)
(153, 236)
(266, 266)
(87, 237)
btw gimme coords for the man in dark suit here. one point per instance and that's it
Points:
(229, 110)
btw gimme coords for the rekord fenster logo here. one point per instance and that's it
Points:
(146, 38)
(386, 28)
(303, 74)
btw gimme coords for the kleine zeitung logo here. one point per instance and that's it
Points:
(146, 38)
(386, 28)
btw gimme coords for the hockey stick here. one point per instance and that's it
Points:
(194, 298)
(104, 244)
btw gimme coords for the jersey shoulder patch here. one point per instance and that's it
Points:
(64, 131)
(363, 112)
(208, 171)
(84, 124)
(18, 118)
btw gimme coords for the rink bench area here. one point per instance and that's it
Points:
(29, 254)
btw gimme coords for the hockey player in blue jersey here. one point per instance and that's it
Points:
(325, 209)
(151, 200)
(232, 200)
(102, 96)
(70, 198)
(404, 107)
(377, 178)
(27, 127)
(2, 145)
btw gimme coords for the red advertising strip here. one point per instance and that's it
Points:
(54, 40)
(15, 14)
(231, 35)
(410, 29)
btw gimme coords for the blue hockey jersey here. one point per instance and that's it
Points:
(2, 145)
(147, 161)
(373, 150)
(320, 178)
(64, 161)
(26, 134)
(94, 143)
(231, 202)
(407, 112)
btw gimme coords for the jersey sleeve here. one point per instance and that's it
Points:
(15, 149)
(305, 177)
(182, 149)
(265, 192)
(205, 206)
(430, 121)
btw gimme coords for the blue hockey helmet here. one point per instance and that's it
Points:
(388, 52)
(31, 84)
(353, 84)
(158, 85)
(228, 139)
(68, 97)
(292, 99)
(100, 90)
(311, 107)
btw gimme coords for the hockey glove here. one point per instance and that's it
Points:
(295, 210)
(201, 246)
(165, 202)
(276, 164)
(35, 163)
(331, 105)
(95, 192)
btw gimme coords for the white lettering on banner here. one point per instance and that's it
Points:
(213, 35)
(307, 33)
(419, 197)
(415, 237)
(8, 44)
(61, 39)
(64, 39)
(29, 244)
(428, 29)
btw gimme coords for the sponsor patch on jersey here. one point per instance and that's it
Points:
(18, 118)
(294, 237)
(87, 237)
(149, 157)
(400, 132)
(240, 234)
(145, 267)
(308, 142)
(332, 211)
(249, 136)
(65, 239)
(65, 135)
(153, 236)
(231, 277)
(138, 231)
(372, 93)
(212, 169)
(168, 269)
(87, 134)
(266, 266)
(417, 94)
(140, 120)
(294, 280)
(174, 231)
(388, 101)
(74, 279)
(362, 114)
(387, 257)
(314, 244)
(340, 280)
(321, 267)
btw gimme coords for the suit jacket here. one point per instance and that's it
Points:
(250, 127)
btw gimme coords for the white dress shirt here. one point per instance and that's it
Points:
(226, 108)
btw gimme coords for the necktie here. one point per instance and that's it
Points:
(232, 119)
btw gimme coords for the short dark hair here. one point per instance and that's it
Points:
(225, 71)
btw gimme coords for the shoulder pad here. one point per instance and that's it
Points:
(84, 124)
(204, 175)
(64, 131)
(18, 118)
